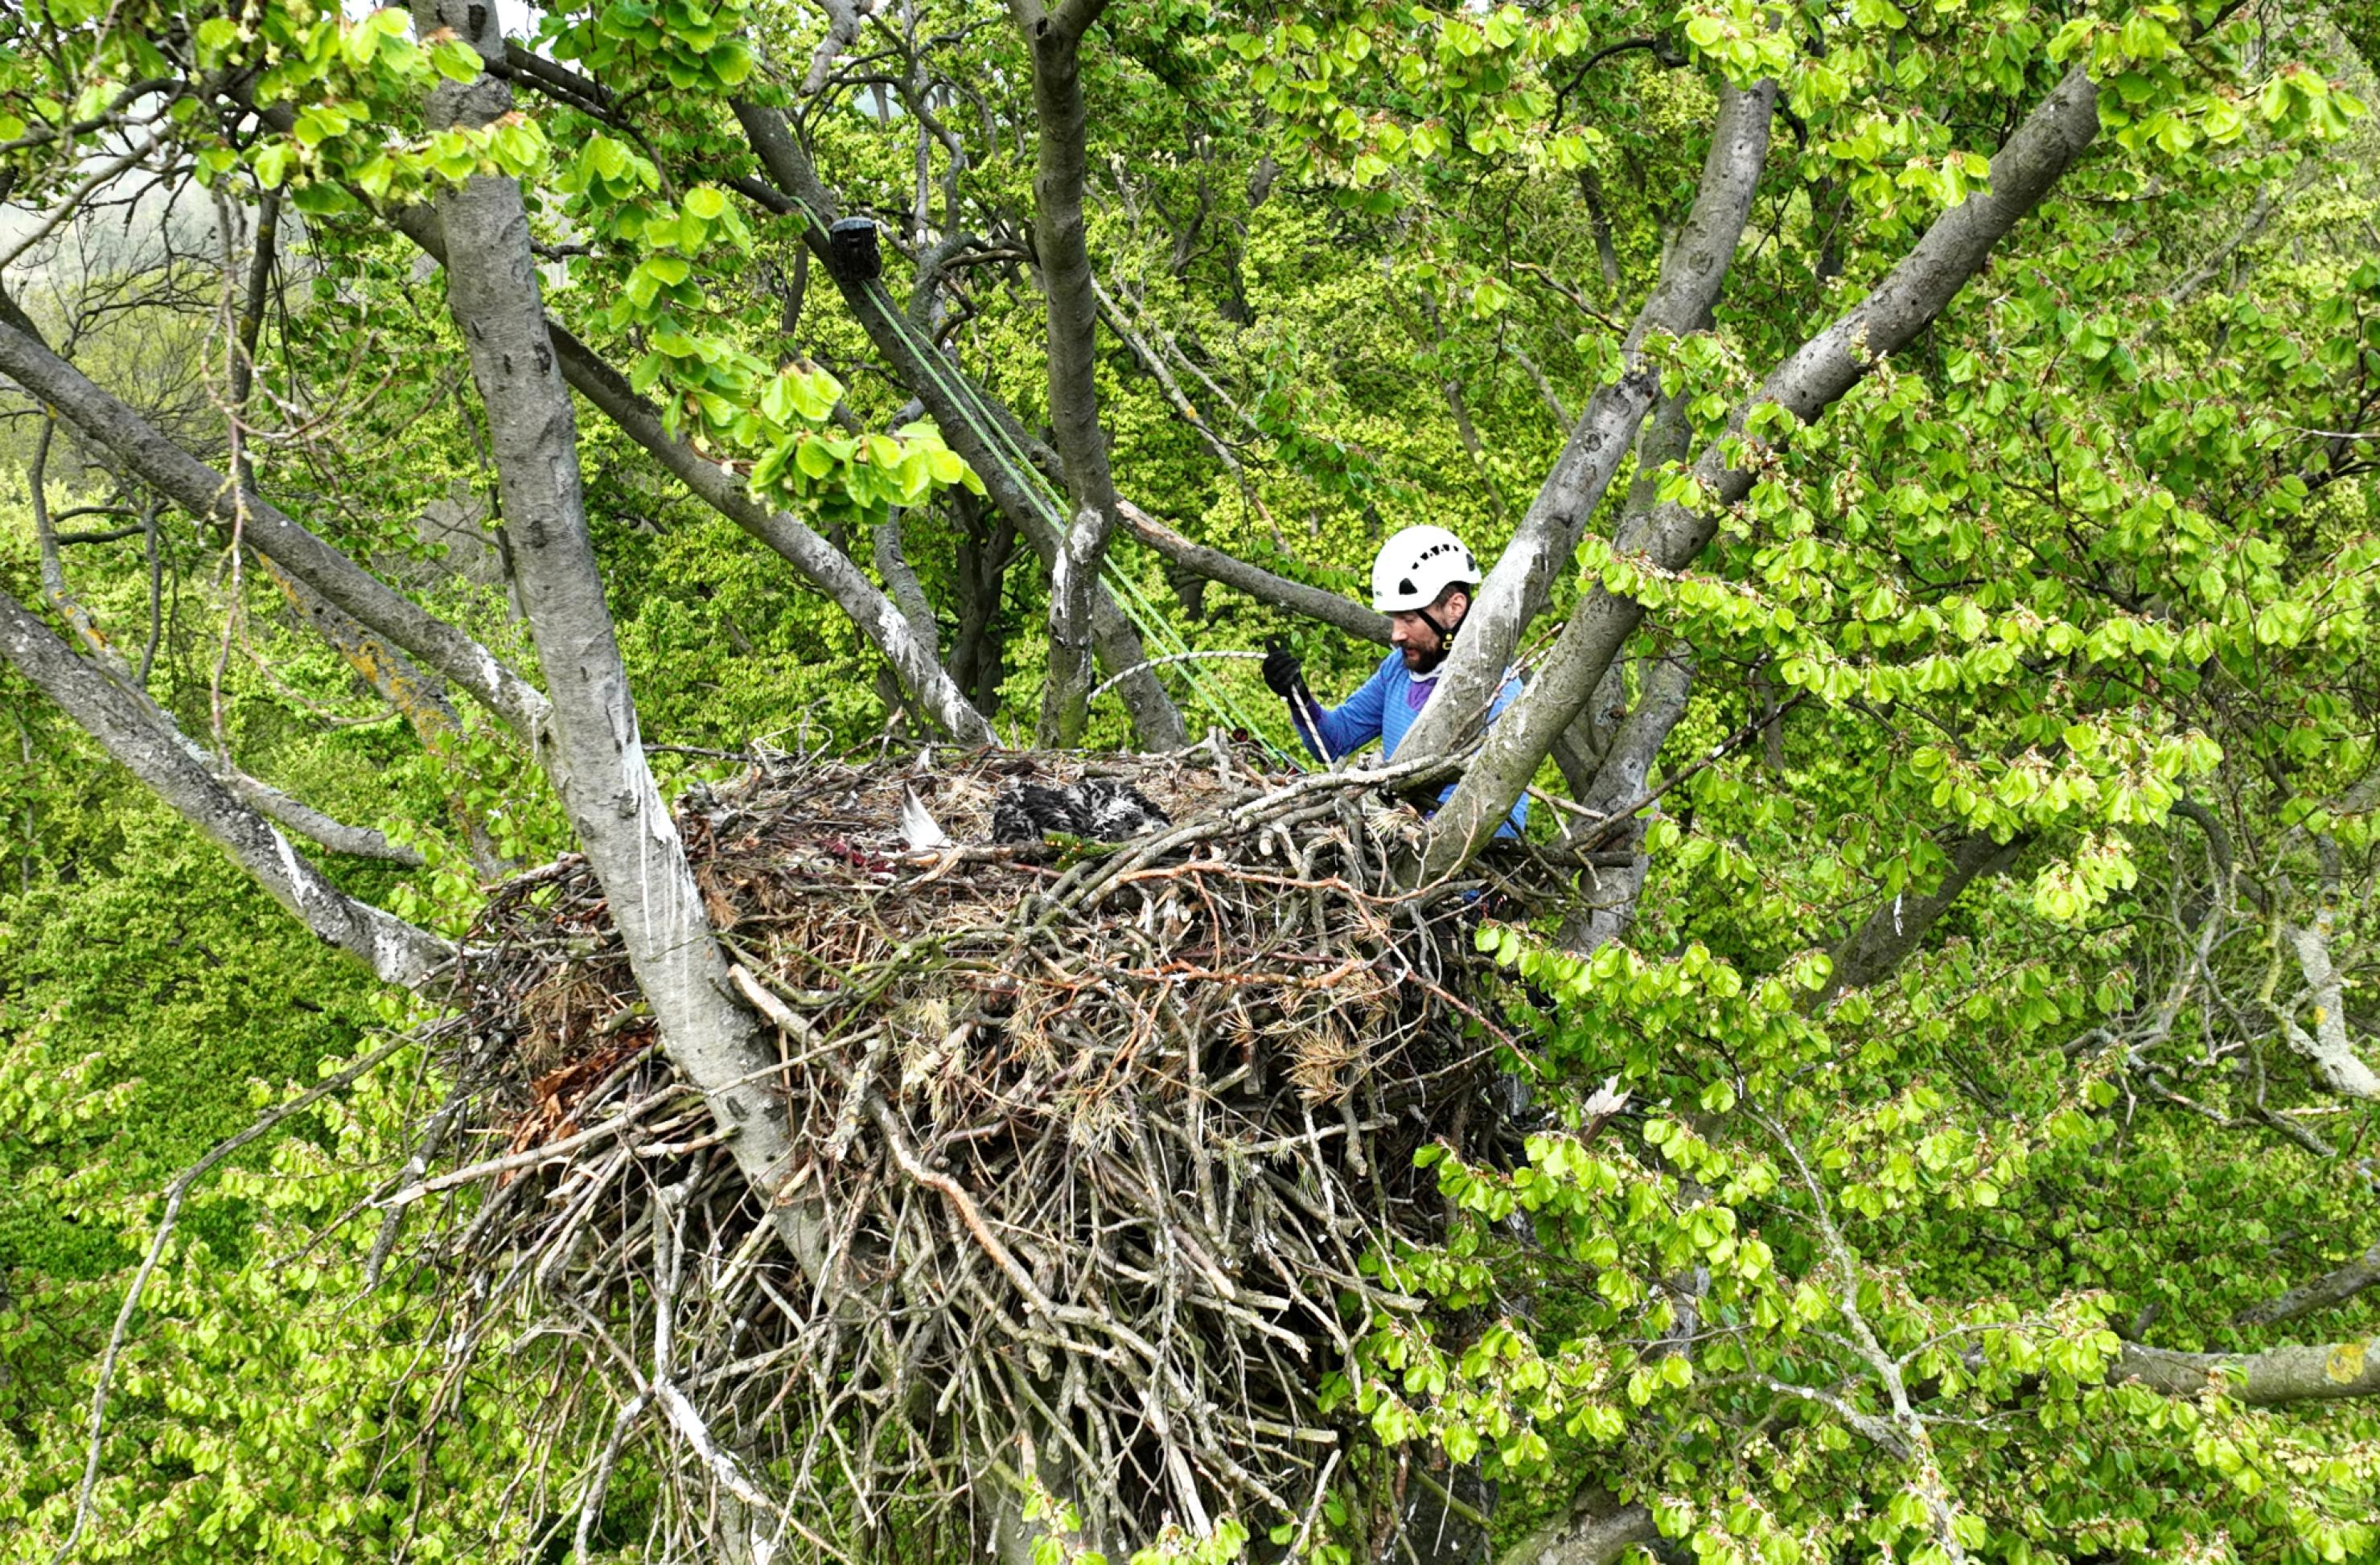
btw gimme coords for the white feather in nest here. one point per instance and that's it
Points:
(919, 830)
(1608, 1100)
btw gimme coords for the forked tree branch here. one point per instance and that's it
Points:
(1549, 535)
(197, 488)
(818, 562)
(396, 950)
(973, 424)
(1810, 381)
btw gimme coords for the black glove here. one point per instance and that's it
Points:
(1282, 672)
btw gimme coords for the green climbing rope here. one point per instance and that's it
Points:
(1143, 615)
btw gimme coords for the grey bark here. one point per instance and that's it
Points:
(251, 324)
(396, 950)
(1590, 1535)
(303, 818)
(1054, 36)
(2334, 1286)
(972, 424)
(357, 842)
(591, 746)
(1265, 587)
(1627, 767)
(912, 652)
(900, 583)
(1885, 940)
(915, 660)
(843, 21)
(150, 455)
(2327, 1048)
(55, 590)
(1805, 384)
(2299, 1373)
(1692, 273)
(1581, 747)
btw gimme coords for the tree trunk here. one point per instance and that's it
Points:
(591, 747)
(1072, 315)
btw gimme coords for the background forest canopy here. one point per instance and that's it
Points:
(1927, 457)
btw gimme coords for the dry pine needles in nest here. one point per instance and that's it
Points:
(1098, 1138)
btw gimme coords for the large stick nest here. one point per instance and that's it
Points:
(1095, 1139)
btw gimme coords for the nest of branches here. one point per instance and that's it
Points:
(1092, 1143)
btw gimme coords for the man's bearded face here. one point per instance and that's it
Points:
(1411, 633)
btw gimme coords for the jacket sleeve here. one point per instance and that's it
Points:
(1354, 723)
(1519, 819)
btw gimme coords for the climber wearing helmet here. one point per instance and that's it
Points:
(1422, 579)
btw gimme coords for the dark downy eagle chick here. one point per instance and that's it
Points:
(1107, 810)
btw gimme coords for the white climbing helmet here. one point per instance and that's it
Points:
(1417, 565)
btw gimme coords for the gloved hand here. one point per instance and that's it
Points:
(1284, 672)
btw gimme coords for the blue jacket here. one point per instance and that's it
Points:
(1384, 708)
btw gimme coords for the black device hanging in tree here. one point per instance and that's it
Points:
(852, 242)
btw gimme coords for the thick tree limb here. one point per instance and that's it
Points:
(356, 842)
(396, 950)
(1810, 381)
(1585, 1540)
(1627, 766)
(2276, 1377)
(972, 423)
(1893, 931)
(900, 583)
(1549, 535)
(2334, 1287)
(149, 454)
(1265, 587)
(1071, 332)
(591, 746)
(842, 23)
(2327, 1046)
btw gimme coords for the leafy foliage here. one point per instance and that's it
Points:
(2085, 573)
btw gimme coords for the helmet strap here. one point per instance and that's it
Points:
(1445, 639)
(1443, 635)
